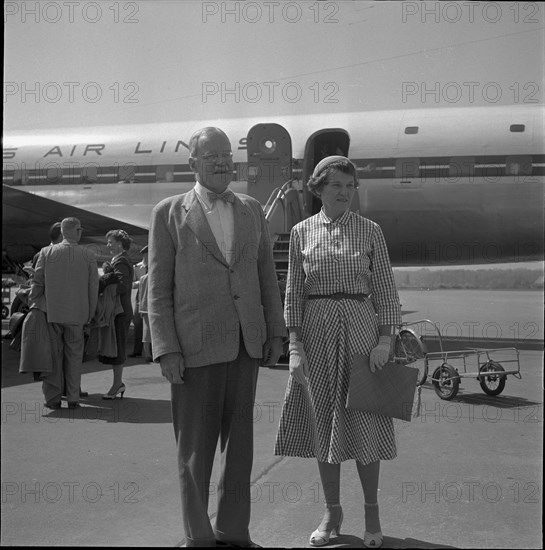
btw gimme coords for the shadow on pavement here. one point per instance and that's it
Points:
(126, 410)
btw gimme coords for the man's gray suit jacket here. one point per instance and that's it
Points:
(199, 303)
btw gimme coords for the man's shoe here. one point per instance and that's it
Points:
(81, 394)
(135, 354)
(53, 406)
(75, 405)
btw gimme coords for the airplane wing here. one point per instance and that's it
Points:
(28, 217)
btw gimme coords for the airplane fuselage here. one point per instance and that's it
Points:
(447, 186)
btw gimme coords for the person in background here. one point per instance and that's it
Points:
(55, 237)
(139, 269)
(215, 313)
(67, 276)
(341, 300)
(143, 308)
(119, 272)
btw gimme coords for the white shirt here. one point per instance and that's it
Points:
(221, 219)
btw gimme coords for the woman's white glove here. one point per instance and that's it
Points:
(380, 353)
(298, 362)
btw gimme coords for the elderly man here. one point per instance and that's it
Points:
(215, 312)
(67, 275)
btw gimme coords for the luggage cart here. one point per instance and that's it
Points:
(449, 367)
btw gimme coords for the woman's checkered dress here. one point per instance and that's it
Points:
(348, 255)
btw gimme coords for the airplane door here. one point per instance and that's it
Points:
(269, 159)
(321, 144)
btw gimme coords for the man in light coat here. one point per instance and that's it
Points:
(67, 275)
(215, 313)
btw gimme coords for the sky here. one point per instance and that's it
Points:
(84, 63)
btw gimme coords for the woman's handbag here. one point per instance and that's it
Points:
(388, 391)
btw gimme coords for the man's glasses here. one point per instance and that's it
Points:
(225, 155)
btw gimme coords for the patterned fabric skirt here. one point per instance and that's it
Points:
(315, 421)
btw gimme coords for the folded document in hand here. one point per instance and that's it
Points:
(389, 391)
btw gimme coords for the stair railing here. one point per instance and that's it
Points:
(283, 208)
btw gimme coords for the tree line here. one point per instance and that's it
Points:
(516, 278)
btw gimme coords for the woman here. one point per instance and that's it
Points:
(337, 259)
(119, 272)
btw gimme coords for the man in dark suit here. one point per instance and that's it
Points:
(215, 312)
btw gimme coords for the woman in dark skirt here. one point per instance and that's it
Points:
(119, 272)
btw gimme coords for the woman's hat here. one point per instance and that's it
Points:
(324, 163)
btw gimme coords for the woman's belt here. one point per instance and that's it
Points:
(339, 296)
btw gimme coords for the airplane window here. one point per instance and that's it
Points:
(268, 146)
(369, 170)
(53, 175)
(89, 174)
(20, 177)
(164, 173)
(407, 168)
(517, 128)
(411, 130)
(518, 165)
(461, 166)
(127, 173)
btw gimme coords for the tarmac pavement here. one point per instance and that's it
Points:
(468, 472)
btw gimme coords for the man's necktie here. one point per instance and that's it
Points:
(226, 196)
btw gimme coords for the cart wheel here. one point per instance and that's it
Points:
(492, 384)
(409, 346)
(446, 382)
(5, 312)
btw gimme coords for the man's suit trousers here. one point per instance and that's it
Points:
(67, 350)
(216, 401)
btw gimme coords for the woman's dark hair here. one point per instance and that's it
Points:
(55, 231)
(315, 184)
(120, 236)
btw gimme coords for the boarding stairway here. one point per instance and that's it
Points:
(281, 254)
(282, 211)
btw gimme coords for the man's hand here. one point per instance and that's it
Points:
(298, 362)
(172, 367)
(272, 350)
(380, 353)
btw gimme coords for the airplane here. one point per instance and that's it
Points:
(450, 186)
